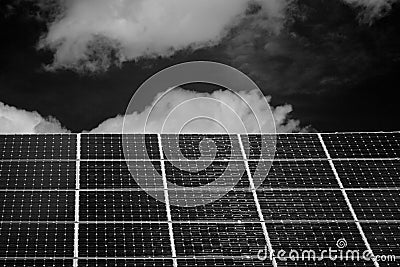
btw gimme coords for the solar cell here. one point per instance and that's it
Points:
(193, 146)
(195, 175)
(384, 238)
(228, 262)
(303, 205)
(284, 146)
(121, 206)
(234, 206)
(314, 236)
(37, 147)
(212, 239)
(369, 173)
(126, 263)
(376, 204)
(111, 146)
(363, 145)
(37, 206)
(116, 174)
(327, 262)
(37, 175)
(124, 240)
(36, 240)
(389, 263)
(35, 263)
(295, 174)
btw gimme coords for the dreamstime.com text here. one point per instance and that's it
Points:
(333, 254)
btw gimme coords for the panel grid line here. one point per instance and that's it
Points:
(217, 189)
(218, 160)
(77, 187)
(291, 133)
(206, 221)
(344, 193)
(125, 258)
(224, 160)
(259, 211)
(167, 204)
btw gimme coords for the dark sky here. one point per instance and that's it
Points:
(338, 74)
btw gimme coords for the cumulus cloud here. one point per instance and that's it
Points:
(135, 122)
(372, 9)
(13, 120)
(91, 35)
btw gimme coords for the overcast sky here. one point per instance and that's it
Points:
(325, 65)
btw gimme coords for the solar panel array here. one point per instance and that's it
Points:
(71, 200)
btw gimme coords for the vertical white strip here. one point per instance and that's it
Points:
(260, 215)
(167, 205)
(353, 213)
(77, 187)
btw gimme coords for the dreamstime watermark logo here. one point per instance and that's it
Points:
(341, 243)
(162, 85)
(340, 253)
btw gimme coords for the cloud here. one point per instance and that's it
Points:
(135, 122)
(13, 120)
(322, 48)
(371, 9)
(91, 35)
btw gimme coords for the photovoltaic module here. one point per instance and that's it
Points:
(72, 200)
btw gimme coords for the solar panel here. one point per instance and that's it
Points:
(111, 146)
(284, 146)
(363, 145)
(194, 146)
(120, 206)
(223, 262)
(296, 174)
(35, 147)
(195, 174)
(127, 263)
(217, 239)
(315, 236)
(234, 206)
(37, 206)
(384, 237)
(369, 173)
(118, 174)
(390, 263)
(124, 240)
(37, 175)
(376, 204)
(36, 240)
(35, 263)
(308, 204)
(326, 262)
(78, 199)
